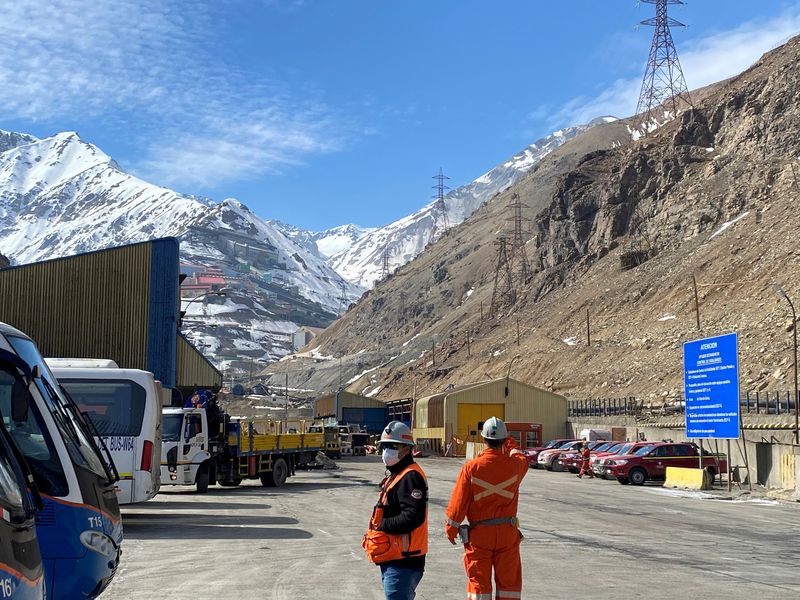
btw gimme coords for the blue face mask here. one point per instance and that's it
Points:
(390, 456)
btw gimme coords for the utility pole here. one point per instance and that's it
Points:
(286, 403)
(696, 302)
(517, 254)
(385, 265)
(588, 330)
(503, 294)
(468, 348)
(782, 293)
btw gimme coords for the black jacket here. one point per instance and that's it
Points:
(405, 509)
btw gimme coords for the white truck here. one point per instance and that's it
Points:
(204, 445)
(125, 407)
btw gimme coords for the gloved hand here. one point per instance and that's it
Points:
(510, 444)
(451, 532)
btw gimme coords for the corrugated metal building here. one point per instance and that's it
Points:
(459, 412)
(346, 407)
(122, 303)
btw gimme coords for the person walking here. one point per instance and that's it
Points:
(486, 494)
(397, 536)
(586, 463)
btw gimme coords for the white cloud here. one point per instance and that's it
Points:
(144, 64)
(704, 61)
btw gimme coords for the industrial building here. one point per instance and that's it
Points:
(354, 409)
(122, 303)
(454, 417)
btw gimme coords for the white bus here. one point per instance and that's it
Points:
(125, 407)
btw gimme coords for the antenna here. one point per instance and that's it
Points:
(663, 83)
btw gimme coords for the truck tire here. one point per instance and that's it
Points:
(203, 478)
(231, 482)
(637, 476)
(623, 480)
(276, 477)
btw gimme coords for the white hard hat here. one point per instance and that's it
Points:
(494, 429)
(396, 433)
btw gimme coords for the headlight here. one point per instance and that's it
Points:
(99, 542)
(617, 462)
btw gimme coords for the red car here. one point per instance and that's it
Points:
(571, 461)
(617, 449)
(651, 462)
(547, 459)
(533, 453)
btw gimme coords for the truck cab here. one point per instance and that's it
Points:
(186, 448)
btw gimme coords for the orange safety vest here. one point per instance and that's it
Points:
(382, 547)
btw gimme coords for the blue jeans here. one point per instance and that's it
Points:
(400, 583)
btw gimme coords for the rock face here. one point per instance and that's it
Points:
(4, 262)
(619, 230)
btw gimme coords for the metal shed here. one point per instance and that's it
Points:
(121, 303)
(347, 407)
(458, 412)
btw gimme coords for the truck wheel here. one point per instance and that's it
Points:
(637, 476)
(623, 480)
(202, 479)
(231, 482)
(276, 477)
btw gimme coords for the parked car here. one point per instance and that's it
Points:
(615, 450)
(571, 461)
(547, 458)
(651, 462)
(533, 453)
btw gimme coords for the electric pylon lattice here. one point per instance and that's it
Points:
(440, 221)
(520, 266)
(503, 294)
(663, 83)
(385, 265)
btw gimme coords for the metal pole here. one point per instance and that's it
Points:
(796, 407)
(701, 453)
(517, 330)
(433, 350)
(696, 302)
(729, 465)
(468, 348)
(588, 331)
(286, 403)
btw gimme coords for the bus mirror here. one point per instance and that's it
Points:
(19, 401)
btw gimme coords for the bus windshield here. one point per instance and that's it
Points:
(172, 427)
(33, 440)
(116, 407)
(79, 444)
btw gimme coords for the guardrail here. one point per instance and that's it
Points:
(757, 402)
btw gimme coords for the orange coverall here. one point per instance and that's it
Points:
(488, 488)
(586, 465)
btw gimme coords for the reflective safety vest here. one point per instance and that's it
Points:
(382, 547)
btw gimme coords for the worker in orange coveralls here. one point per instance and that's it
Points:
(487, 494)
(586, 465)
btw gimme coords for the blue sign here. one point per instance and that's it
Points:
(711, 387)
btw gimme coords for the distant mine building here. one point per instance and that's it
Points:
(354, 409)
(456, 415)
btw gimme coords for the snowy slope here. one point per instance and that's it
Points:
(404, 239)
(61, 196)
(326, 243)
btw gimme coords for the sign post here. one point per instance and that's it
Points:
(711, 389)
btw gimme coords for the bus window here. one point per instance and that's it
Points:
(33, 442)
(116, 407)
(80, 446)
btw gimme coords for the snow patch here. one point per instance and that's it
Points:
(570, 341)
(728, 224)
(666, 318)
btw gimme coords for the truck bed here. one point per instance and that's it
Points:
(253, 436)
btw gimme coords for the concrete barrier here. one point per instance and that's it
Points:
(690, 479)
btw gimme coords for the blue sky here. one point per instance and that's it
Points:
(323, 112)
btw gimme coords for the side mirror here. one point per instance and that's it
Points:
(20, 401)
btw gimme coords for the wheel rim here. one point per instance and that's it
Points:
(637, 477)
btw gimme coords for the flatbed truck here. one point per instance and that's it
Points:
(204, 446)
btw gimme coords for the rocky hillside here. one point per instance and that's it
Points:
(619, 229)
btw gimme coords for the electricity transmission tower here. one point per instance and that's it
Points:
(503, 293)
(663, 83)
(342, 298)
(440, 221)
(521, 268)
(385, 265)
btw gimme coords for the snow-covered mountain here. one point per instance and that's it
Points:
(326, 243)
(61, 195)
(362, 263)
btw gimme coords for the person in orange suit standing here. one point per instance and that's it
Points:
(586, 463)
(486, 494)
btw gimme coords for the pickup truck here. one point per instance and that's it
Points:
(651, 462)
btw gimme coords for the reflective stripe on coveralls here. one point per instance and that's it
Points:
(487, 493)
